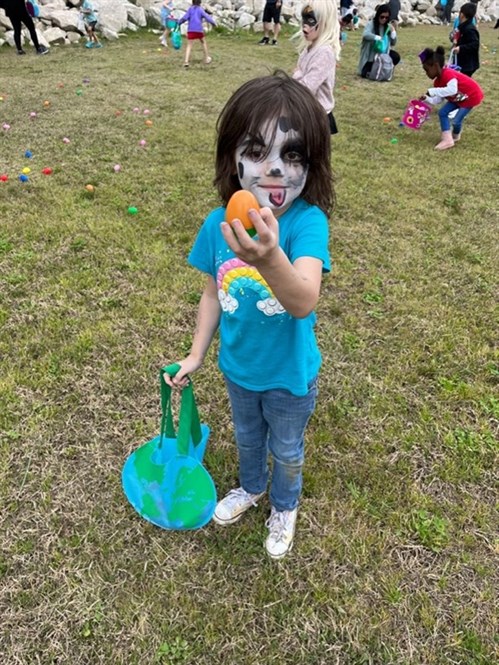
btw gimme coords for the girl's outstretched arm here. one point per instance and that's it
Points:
(296, 285)
(208, 319)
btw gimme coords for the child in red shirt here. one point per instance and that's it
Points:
(461, 92)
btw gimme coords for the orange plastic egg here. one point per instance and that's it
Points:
(238, 207)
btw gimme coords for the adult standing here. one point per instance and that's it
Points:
(18, 14)
(394, 6)
(378, 37)
(271, 12)
(447, 12)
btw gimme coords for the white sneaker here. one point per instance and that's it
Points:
(281, 525)
(232, 506)
(163, 41)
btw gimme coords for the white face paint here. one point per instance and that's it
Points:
(278, 178)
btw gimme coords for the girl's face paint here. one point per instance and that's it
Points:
(275, 168)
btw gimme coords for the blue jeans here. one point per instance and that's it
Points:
(443, 114)
(275, 421)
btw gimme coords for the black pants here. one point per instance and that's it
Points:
(332, 123)
(448, 11)
(20, 15)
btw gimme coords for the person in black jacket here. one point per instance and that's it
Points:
(18, 14)
(467, 40)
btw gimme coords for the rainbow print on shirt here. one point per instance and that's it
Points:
(233, 277)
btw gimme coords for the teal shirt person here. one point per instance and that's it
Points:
(87, 9)
(262, 347)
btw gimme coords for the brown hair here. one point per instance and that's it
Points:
(263, 100)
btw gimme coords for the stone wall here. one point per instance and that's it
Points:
(60, 21)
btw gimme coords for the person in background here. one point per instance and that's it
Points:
(345, 7)
(460, 93)
(466, 40)
(320, 50)
(167, 21)
(195, 16)
(271, 12)
(378, 37)
(18, 14)
(90, 21)
(447, 11)
(394, 6)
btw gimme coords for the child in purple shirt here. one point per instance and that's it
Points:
(195, 16)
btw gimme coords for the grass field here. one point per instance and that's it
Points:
(395, 560)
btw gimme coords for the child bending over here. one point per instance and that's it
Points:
(460, 92)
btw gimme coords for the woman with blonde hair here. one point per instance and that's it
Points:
(319, 44)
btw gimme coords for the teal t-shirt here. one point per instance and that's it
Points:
(262, 347)
(89, 15)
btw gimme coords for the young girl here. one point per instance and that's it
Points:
(195, 15)
(90, 21)
(378, 37)
(273, 139)
(461, 93)
(320, 44)
(167, 21)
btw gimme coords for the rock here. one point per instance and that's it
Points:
(136, 15)
(66, 19)
(55, 36)
(245, 20)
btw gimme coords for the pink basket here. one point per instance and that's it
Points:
(416, 113)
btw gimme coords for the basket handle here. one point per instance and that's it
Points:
(189, 426)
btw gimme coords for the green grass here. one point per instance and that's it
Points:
(395, 560)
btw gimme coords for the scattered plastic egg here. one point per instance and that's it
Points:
(142, 142)
(4, 177)
(148, 123)
(117, 168)
(23, 178)
(6, 126)
(28, 154)
(132, 210)
(47, 171)
(90, 188)
(26, 170)
(66, 140)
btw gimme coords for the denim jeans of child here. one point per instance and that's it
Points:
(457, 122)
(271, 421)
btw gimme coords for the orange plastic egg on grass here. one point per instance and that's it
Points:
(239, 205)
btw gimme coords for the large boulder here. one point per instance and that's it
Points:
(67, 19)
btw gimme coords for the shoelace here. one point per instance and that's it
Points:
(277, 525)
(239, 494)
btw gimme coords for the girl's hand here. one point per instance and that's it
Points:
(181, 379)
(456, 49)
(254, 251)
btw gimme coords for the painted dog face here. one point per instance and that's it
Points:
(273, 165)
